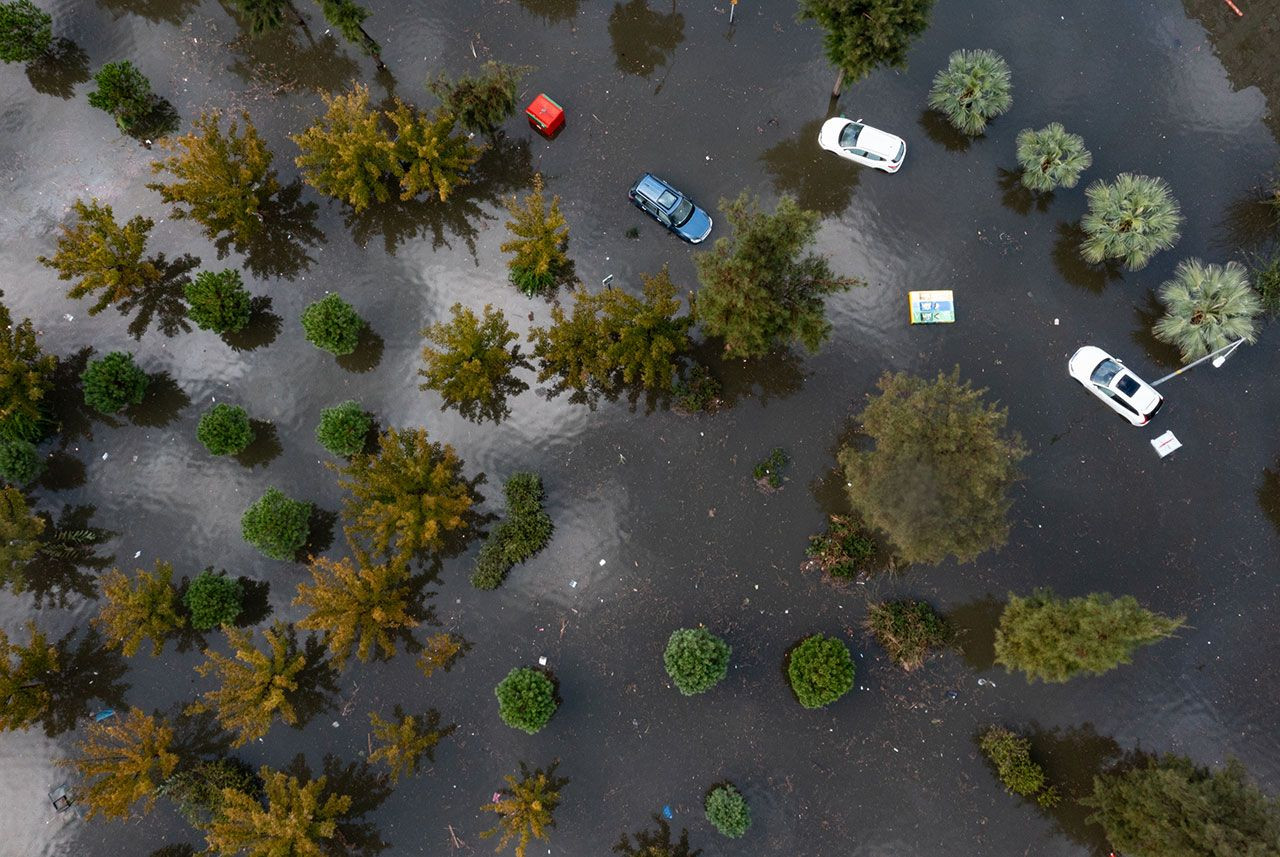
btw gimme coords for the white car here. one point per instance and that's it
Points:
(1114, 383)
(862, 144)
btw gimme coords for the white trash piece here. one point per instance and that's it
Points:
(542, 661)
(1166, 443)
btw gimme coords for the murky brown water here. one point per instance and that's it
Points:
(667, 502)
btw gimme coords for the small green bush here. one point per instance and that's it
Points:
(696, 660)
(225, 430)
(697, 391)
(20, 463)
(1011, 754)
(125, 93)
(26, 32)
(213, 599)
(727, 809)
(821, 670)
(344, 428)
(332, 324)
(524, 532)
(218, 301)
(908, 630)
(197, 791)
(276, 525)
(768, 472)
(526, 699)
(1265, 272)
(113, 382)
(844, 550)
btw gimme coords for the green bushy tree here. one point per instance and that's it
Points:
(974, 88)
(908, 630)
(276, 525)
(113, 382)
(469, 361)
(1054, 639)
(103, 256)
(540, 241)
(761, 290)
(1011, 755)
(197, 791)
(727, 810)
(1129, 220)
(344, 428)
(861, 35)
(225, 429)
(820, 670)
(844, 551)
(144, 608)
(484, 102)
(1265, 273)
(20, 462)
(213, 600)
(26, 379)
(347, 17)
(696, 660)
(218, 301)
(1051, 157)
(525, 531)
(332, 324)
(937, 479)
(26, 32)
(526, 699)
(1207, 307)
(125, 93)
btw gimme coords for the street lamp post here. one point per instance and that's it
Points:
(1218, 357)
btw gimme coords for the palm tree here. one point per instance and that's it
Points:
(973, 88)
(1130, 219)
(1051, 157)
(1207, 307)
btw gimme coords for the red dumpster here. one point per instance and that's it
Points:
(545, 116)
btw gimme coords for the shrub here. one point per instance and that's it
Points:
(844, 550)
(344, 429)
(1011, 754)
(697, 391)
(696, 660)
(218, 301)
(113, 382)
(727, 809)
(124, 92)
(768, 471)
(225, 430)
(20, 463)
(213, 600)
(908, 630)
(197, 791)
(276, 525)
(524, 532)
(1266, 281)
(1130, 220)
(1051, 157)
(973, 88)
(821, 670)
(332, 324)
(526, 699)
(1207, 307)
(26, 32)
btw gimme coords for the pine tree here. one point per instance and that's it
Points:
(113, 382)
(123, 761)
(20, 531)
(1051, 157)
(759, 293)
(526, 807)
(218, 301)
(24, 675)
(266, 16)
(255, 685)
(347, 17)
(26, 32)
(481, 103)
(134, 611)
(348, 154)
(937, 479)
(405, 740)
(1170, 807)
(541, 239)
(408, 496)
(431, 157)
(469, 361)
(1207, 307)
(221, 181)
(440, 651)
(358, 606)
(125, 93)
(1054, 639)
(26, 379)
(103, 255)
(298, 820)
(863, 34)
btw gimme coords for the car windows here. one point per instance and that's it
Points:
(667, 199)
(902, 150)
(849, 136)
(1128, 385)
(1104, 372)
(858, 153)
(873, 157)
(682, 214)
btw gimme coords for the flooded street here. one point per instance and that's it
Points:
(658, 523)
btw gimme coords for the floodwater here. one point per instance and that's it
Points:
(658, 524)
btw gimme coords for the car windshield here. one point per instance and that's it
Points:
(1106, 370)
(666, 200)
(849, 136)
(902, 150)
(1128, 385)
(682, 213)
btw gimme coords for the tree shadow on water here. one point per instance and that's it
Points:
(162, 404)
(656, 841)
(976, 623)
(1269, 494)
(62, 472)
(176, 12)
(817, 179)
(74, 419)
(256, 606)
(279, 248)
(1249, 223)
(64, 66)
(87, 671)
(368, 353)
(263, 327)
(281, 62)
(320, 534)
(164, 300)
(68, 558)
(1072, 267)
(265, 447)
(1017, 197)
(367, 788)
(777, 376)
(939, 130)
(553, 11)
(1160, 353)
(643, 39)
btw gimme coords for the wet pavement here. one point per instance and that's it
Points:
(665, 501)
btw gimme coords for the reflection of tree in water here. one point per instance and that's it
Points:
(279, 249)
(819, 180)
(1072, 266)
(175, 12)
(162, 404)
(1016, 196)
(642, 38)
(1147, 313)
(553, 10)
(87, 671)
(1250, 222)
(264, 449)
(1269, 494)
(163, 300)
(367, 789)
(282, 62)
(63, 66)
(504, 167)
(939, 130)
(67, 556)
(72, 416)
(777, 376)
(976, 623)
(262, 329)
(656, 842)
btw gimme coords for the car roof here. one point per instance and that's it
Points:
(877, 142)
(651, 186)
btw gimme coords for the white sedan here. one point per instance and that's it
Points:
(862, 144)
(1114, 383)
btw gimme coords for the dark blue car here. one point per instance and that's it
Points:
(671, 208)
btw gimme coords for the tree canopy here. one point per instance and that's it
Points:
(526, 807)
(540, 239)
(404, 741)
(298, 819)
(26, 32)
(484, 102)
(358, 606)
(103, 256)
(26, 379)
(24, 675)
(861, 35)
(144, 608)
(470, 360)
(255, 685)
(124, 760)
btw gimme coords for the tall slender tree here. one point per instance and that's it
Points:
(134, 611)
(297, 819)
(26, 380)
(405, 740)
(358, 606)
(123, 761)
(860, 35)
(526, 807)
(348, 18)
(103, 256)
(255, 685)
(539, 243)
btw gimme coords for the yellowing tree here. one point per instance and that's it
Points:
(526, 807)
(298, 820)
(24, 675)
(433, 159)
(256, 685)
(541, 237)
(347, 154)
(404, 740)
(123, 761)
(357, 605)
(26, 379)
(103, 255)
(145, 608)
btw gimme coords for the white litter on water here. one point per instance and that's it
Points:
(138, 554)
(602, 562)
(542, 660)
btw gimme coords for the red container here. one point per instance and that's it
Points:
(545, 116)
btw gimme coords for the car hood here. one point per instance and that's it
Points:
(879, 143)
(829, 136)
(697, 227)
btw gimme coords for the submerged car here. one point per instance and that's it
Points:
(1114, 383)
(671, 208)
(862, 144)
